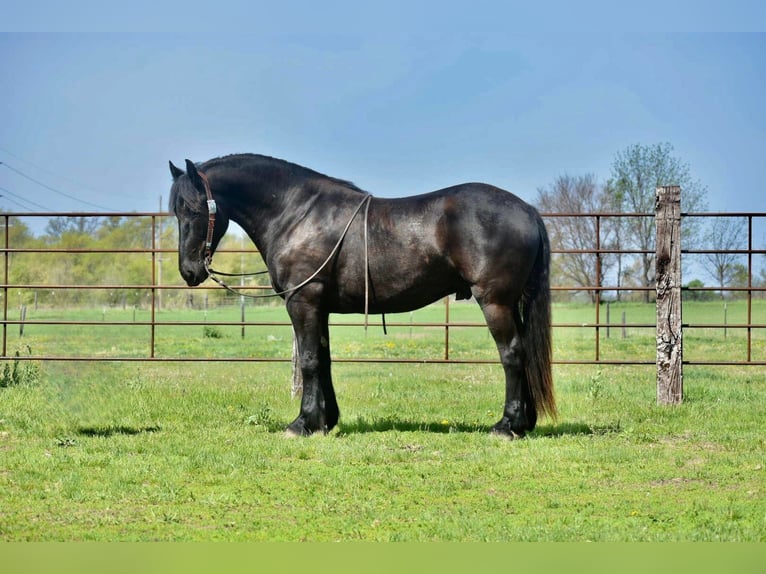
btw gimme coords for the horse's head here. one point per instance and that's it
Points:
(188, 201)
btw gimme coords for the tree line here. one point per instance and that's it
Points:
(108, 252)
(81, 245)
(636, 172)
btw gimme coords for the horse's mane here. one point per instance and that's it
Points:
(245, 160)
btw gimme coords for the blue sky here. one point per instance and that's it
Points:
(398, 109)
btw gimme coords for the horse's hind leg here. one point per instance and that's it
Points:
(519, 414)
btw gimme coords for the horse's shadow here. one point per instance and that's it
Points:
(106, 431)
(381, 425)
(361, 426)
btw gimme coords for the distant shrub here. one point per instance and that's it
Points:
(18, 371)
(211, 332)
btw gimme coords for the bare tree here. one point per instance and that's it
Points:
(616, 239)
(58, 226)
(722, 236)
(636, 173)
(574, 195)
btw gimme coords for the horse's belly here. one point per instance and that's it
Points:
(401, 292)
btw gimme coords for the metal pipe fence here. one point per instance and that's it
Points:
(152, 319)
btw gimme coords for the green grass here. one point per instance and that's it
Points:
(406, 339)
(190, 451)
(196, 452)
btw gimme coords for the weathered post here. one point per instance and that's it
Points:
(624, 325)
(668, 267)
(608, 318)
(22, 318)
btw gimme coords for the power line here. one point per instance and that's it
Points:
(25, 200)
(22, 206)
(43, 169)
(53, 189)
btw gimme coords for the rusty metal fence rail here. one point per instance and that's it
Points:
(151, 290)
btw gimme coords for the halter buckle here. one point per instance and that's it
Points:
(211, 206)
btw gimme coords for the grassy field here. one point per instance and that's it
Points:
(170, 451)
(406, 338)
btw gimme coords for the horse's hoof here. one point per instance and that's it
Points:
(299, 429)
(507, 434)
(290, 433)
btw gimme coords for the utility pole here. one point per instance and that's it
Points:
(159, 257)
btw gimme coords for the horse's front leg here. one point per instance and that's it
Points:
(319, 407)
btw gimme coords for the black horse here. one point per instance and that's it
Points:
(332, 248)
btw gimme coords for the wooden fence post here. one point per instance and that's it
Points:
(22, 318)
(668, 267)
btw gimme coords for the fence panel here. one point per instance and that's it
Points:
(99, 317)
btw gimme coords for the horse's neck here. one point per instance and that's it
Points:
(262, 209)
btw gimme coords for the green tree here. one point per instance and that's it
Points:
(22, 267)
(697, 295)
(739, 278)
(760, 281)
(124, 268)
(636, 173)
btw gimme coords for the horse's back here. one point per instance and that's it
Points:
(468, 214)
(492, 203)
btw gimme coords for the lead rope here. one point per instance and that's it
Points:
(305, 281)
(212, 209)
(367, 277)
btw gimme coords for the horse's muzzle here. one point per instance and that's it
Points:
(193, 274)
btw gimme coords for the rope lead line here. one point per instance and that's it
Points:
(212, 273)
(212, 209)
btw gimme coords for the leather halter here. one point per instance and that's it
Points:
(212, 208)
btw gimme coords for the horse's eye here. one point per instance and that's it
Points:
(183, 208)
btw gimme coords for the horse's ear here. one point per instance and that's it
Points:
(174, 171)
(191, 171)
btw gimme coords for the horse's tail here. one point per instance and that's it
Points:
(536, 330)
